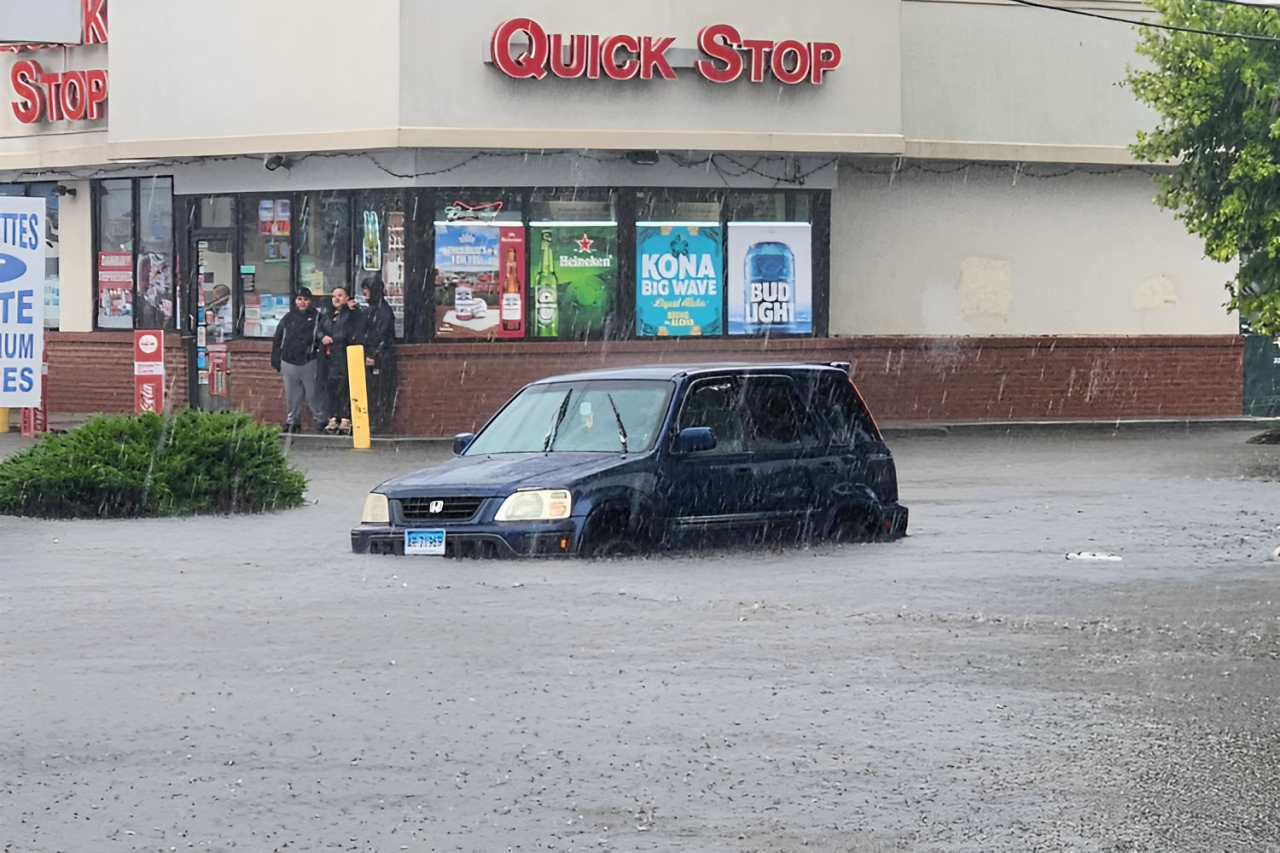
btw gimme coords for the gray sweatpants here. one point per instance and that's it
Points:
(302, 384)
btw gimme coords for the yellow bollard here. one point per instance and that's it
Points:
(359, 398)
(4, 419)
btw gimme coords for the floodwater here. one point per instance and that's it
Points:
(249, 684)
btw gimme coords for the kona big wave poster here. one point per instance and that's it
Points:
(770, 278)
(679, 279)
(21, 300)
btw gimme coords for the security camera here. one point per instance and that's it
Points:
(275, 161)
(71, 191)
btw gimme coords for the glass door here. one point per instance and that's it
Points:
(215, 321)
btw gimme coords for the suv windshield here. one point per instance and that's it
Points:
(610, 416)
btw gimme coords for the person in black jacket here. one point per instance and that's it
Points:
(295, 354)
(379, 356)
(346, 327)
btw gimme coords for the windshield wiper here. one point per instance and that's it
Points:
(551, 433)
(622, 431)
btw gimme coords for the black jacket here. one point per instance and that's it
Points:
(298, 335)
(346, 327)
(379, 331)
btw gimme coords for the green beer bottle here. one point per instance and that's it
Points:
(546, 295)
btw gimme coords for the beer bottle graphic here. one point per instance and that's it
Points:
(512, 310)
(546, 294)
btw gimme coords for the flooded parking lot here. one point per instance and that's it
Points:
(249, 684)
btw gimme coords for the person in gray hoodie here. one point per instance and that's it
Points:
(296, 351)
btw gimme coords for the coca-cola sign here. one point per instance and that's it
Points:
(522, 48)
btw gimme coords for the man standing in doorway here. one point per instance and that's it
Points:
(379, 356)
(295, 354)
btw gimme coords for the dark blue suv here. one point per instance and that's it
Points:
(635, 459)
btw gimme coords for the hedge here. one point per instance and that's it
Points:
(128, 466)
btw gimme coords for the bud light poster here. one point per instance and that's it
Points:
(466, 284)
(770, 278)
(679, 278)
(21, 300)
(574, 272)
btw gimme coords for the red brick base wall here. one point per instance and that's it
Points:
(448, 388)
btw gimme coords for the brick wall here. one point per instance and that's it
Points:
(93, 372)
(449, 388)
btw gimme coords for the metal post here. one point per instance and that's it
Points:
(359, 398)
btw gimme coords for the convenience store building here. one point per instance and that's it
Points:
(939, 193)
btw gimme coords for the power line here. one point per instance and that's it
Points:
(1214, 33)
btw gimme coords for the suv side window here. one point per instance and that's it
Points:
(777, 418)
(714, 403)
(849, 420)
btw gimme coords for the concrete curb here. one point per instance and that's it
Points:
(1075, 427)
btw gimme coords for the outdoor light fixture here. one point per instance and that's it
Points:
(275, 161)
(71, 191)
(643, 158)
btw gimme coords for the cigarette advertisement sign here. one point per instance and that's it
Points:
(22, 224)
(770, 278)
(115, 290)
(679, 279)
(574, 266)
(467, 289)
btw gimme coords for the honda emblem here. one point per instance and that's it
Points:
(435, 507)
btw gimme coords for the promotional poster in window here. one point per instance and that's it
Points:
(770, 278)
(466, 283)
(679, 279)
(574, 271)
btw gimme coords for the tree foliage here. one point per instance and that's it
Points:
(1219, 103)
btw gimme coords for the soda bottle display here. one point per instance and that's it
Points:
(546, 294)
(770, 288)
(512, 310)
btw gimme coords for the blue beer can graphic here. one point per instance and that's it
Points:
(770, 289)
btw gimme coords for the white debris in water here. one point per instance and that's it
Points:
(1094, 555)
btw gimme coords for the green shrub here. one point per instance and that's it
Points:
(125, 466)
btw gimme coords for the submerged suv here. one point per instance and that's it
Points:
(634, 459)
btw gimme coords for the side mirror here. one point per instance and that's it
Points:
(692, 439)
(462, 441)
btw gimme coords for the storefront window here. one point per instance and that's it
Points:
(379, 247)
(324, 242)
(711, 262)
(266, 268)
(155, 264)
(479, 251)
(49, 192)
(114, 221)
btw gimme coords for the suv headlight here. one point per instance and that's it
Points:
(535, 505)
(376, 509)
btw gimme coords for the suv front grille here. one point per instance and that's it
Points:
(450, 509)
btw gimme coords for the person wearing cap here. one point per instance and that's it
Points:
(295, 354)
(379, 355)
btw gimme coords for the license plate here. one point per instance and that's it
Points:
(424, 542)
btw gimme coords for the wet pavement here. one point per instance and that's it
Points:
(247, 683)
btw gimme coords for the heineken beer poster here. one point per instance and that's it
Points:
(573, 267)
(21, 300)
(770, 278)
(679, 278)
(466, 285)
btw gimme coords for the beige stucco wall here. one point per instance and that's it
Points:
(993, 251)
(1004, 81)
(243, 76)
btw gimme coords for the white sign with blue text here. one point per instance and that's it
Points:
(21, 300)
